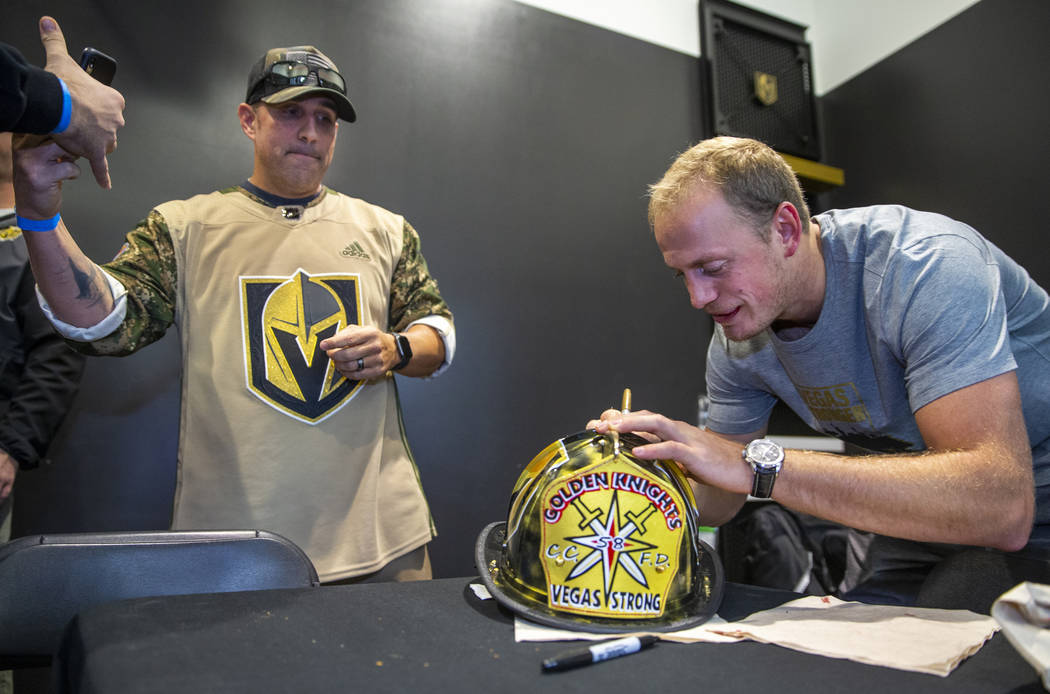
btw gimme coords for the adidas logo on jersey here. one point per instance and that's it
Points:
(354, 250)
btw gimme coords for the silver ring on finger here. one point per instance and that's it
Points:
(361, 364)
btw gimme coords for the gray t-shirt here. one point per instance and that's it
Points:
(916, 306)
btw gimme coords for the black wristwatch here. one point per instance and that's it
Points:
(404, 350)
(766, 458)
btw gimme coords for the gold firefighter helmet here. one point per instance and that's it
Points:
(597, 539)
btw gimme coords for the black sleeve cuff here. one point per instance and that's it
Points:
(43, 95)
(19, 449)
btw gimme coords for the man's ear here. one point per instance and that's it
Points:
(787, 228)
(246, 114)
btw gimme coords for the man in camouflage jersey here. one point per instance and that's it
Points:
(294, 305)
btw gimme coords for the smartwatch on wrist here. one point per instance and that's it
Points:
(766, 458)
(404, 351)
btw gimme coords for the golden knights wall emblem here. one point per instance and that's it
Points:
(285, 319)
(765, 88)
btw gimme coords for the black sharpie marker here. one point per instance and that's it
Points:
(599, 652)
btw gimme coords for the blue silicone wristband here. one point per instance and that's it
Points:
(67, 109)
(37, 224)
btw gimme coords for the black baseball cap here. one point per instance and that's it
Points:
(283, 74)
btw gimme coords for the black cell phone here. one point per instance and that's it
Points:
(99, 65)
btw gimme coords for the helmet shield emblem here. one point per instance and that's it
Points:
(603, 553)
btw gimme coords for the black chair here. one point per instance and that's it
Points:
(46, 579)
(973, 578)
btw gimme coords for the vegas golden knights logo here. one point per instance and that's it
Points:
(766, 88)
(285, 319)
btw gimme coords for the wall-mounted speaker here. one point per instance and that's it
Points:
(759, 80)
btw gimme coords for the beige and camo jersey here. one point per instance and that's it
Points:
(271, 435)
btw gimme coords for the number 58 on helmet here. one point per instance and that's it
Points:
(599, 540)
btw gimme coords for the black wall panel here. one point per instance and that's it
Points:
(956, 122)
(518, 142)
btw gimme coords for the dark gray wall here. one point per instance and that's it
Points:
(956, 122)
(518, 142)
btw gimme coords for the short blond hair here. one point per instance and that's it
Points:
(752, 177)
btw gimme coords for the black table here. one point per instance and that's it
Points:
(436, 636)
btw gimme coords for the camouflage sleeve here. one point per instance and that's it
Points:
(146, 267)
(413, 292)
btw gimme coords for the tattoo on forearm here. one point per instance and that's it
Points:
(88, 283)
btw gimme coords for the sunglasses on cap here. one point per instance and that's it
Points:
(287, 73)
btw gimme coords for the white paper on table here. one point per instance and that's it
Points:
(917, 639)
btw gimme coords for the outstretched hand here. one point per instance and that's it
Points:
(97, 111)
(706, 457)
(40, 166)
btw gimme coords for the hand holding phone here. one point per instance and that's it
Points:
(99, 65)
(97, 111)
